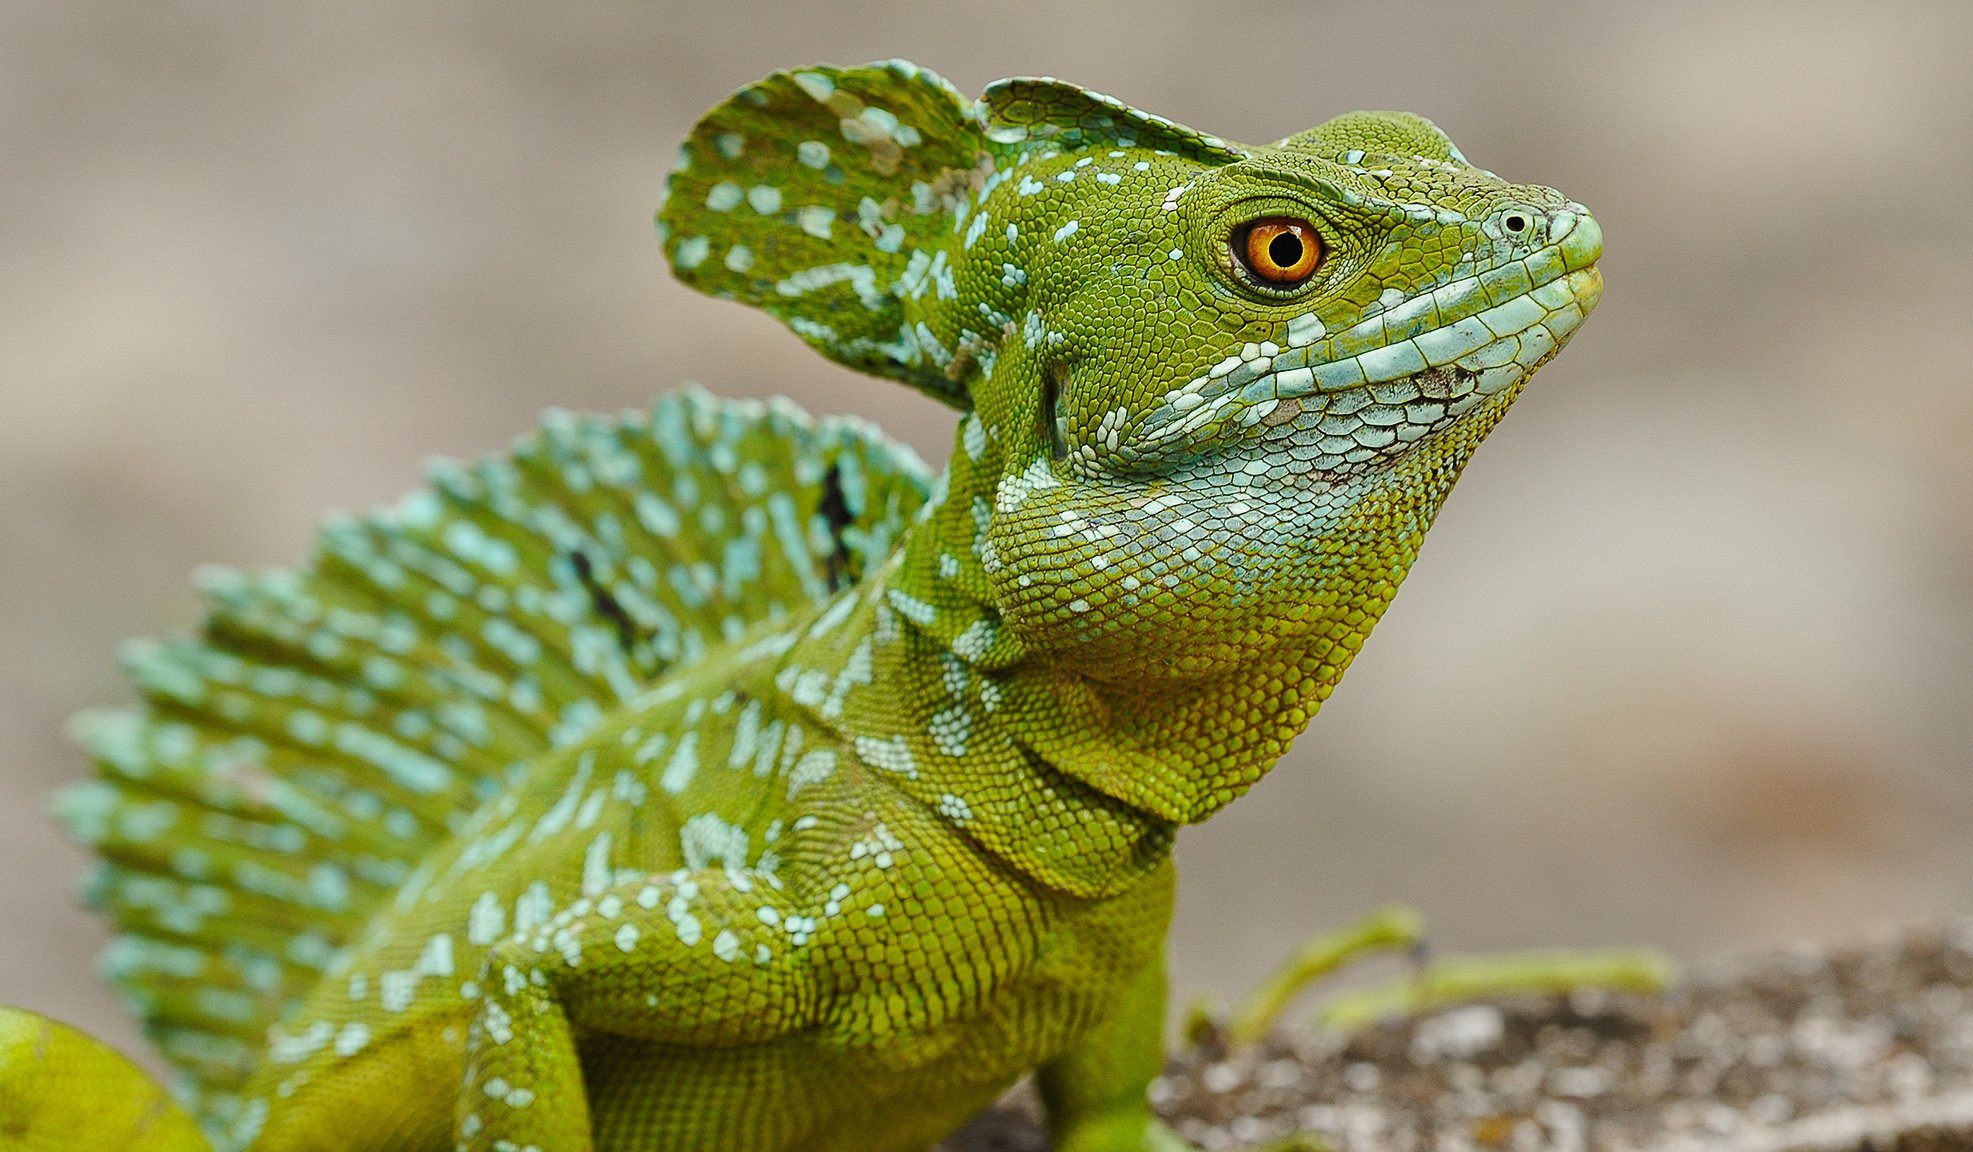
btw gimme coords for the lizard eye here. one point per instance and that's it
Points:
(1280, 251)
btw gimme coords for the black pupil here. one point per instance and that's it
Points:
(1285, 250)
(1516, 223)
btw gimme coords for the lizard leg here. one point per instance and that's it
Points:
(696, 958)
(1095, 1092)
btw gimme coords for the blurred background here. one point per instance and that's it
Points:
(1686, 661)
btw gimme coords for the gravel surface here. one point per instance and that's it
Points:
(1796, 1050)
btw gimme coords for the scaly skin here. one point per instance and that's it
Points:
(711, 781)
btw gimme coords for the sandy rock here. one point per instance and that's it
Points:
(1864, 1049)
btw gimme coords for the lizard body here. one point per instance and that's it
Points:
(714, 778)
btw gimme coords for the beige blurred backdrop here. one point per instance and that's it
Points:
(1686, 662)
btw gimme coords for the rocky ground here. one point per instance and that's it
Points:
(1797, 1050)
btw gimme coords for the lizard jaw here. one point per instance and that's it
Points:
(1396, 357)
(1339, 416)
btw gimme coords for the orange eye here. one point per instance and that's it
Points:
(1281, 250)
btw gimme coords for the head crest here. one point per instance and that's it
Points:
(839, 200)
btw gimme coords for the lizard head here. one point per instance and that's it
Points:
(1214, 394)
(1254, 381)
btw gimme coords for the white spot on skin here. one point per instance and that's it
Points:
(627, 938)
(498, 1024)
(724, 196)
(1066, 231)
(533, 907)
(764, 199)
(890, 754)
(689, 931)
(813, 153)
(973, 643)
(739, 258)
(705, 838)
(396, 990)
(816, 220)
(815, 766)
(682, 766)
(295, 1047)
(818, 86)
(912, 608)
(726, 945)
(950, 728)
(352, 1039)
(436, 959)
(596, 865)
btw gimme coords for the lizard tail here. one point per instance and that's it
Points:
(61, 1091)
(287, 768)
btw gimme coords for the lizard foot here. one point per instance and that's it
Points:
(1127, 1133)
(1142, 1135)
(1433, 983)
(1459, 979)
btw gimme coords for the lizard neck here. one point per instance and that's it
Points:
(914, 671)
(1170, 718)
(1077, 771)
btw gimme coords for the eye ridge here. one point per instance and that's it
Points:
(1279, 251)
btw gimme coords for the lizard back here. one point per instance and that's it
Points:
(286, 769)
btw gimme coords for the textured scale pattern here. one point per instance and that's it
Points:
(713, 778)
(290, 768)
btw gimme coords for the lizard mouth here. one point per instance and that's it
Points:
(1338, 407)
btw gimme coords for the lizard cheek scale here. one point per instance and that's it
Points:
(715, 776)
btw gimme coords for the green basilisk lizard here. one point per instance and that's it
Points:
(715, 778)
